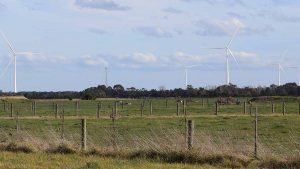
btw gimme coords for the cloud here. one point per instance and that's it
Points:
(108, 5)
(218, 27)
(183, 57)
(2, 6)
(94, 61)
(172, 10)
(98, 31)
(154, 32)
(221, 2)
(278, 16)
(144, 57)
(227, 27)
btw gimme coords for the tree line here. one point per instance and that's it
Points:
(118, 91)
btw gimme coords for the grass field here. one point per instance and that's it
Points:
(153, 140)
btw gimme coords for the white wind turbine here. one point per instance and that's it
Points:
(228, 54)
(14, 59)
(186, 73)
(280, 67)
(298, 69)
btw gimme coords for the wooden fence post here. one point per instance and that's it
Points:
(56, 110)
(245, 107)
(283, 108)
(217, 108)
(116, 108)
(83, 134)
(299, 108)
(62, 126)
(256, 134)
(34, 108)
(4, 107)
(190, 134)
(177, 106)
(273, 108)
(113, 134)
(98, 111)
(142, 109)
(250, 110)
(166, 103)
(11, 110)
(151, 109)
(76, 107)
(17, 122)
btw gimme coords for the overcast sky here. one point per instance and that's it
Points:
(146, 43)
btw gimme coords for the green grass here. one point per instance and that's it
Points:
(230, 134)
(74, 161)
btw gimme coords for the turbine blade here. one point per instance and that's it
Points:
(213, 48)
(281, 68)
(6, 67)
(282, 57)
(191, 66)
(233, 56)
(7, 42)
(233, 36)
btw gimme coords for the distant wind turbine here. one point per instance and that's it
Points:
(14, 59)
(298, 69)
(280, 67)
(186, 73)
(228, 54)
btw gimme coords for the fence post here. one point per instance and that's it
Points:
(116, 108)
(113, 118)
(11, 109)
(98, 111)
(245, 107)
(76, 107)
(283, 108)
(256, 134)
(250, 110)
(217, 108)
(17, 122)
(83, 134)
(142, 109)
(151, 108)
(166, 103)
(190, 134)
(34, 108)
(273, 108)
(56, 110)
(299, 108)
(62, 126)
(177, 106)
(4, 107)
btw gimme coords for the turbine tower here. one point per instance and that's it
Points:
(228, 53)
(186, 73)
(106, 71)
(280, 68)
(15, 54)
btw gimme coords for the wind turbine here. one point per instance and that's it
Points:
(298, 68)
(228, 53)
(106, 72)
(14, 59)
(280, 67)
(186, 73)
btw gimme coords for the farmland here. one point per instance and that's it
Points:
(136, 133)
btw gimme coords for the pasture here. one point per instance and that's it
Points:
(136, 132)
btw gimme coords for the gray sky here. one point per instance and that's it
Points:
(147, 43)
